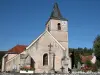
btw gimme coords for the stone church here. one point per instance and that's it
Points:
(48, 53)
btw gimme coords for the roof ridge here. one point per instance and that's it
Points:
(20, 45)
(35, 40)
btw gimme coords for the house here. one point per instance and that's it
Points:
(48, 53)
(88, 62)
(91, 58)
(11, 54)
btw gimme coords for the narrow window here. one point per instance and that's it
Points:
(48, 28)
(59, 26)
(32, 63)
(45, 59)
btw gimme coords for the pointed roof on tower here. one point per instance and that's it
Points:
(55, 14)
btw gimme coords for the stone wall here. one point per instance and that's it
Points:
(91, 73)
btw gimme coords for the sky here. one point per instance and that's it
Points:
(22, 21)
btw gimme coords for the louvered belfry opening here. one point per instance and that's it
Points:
(59, 26)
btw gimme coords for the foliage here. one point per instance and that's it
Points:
(88, 63)
(96, 47)
(77, 52)
(86, 68)
(2, 53)
(89, 67)
(98, 63)
(27, 68)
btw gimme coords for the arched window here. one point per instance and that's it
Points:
(59, 26)
(45, 59)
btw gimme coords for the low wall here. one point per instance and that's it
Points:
(92, 73)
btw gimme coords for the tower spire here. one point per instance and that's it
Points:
(55, 14)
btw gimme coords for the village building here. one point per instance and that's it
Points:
(10, 58)
(88, 62)
(91, 58)
(86, 58)
(48, 53)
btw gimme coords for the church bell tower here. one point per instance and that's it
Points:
(57, 25)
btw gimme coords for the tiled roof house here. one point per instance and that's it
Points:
(17, 49)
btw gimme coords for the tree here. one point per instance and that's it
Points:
(96, 47)
(76, 54)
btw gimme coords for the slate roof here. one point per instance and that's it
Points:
(17, 49)
(55, 14)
